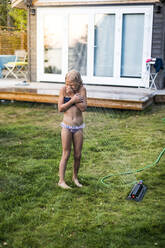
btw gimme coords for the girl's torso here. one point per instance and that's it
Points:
(73, 116)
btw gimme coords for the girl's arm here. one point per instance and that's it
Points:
(82, 105)
(62, 107)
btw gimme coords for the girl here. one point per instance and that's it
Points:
(72, 101)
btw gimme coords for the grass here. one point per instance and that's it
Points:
(35, 213)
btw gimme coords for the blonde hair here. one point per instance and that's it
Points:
(74, 76)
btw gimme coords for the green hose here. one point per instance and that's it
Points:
(132, 172)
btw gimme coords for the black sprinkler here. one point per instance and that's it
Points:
(138, 191)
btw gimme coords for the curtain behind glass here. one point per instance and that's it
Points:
(132, 45)
(104, 45)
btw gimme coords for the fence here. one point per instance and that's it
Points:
(11, 40)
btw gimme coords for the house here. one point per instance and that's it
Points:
(108, 41)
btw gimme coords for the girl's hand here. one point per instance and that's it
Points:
(77, 98)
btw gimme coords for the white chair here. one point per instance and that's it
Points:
(150, 74)
(18, 66)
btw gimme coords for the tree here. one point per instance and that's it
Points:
(4, 12)
(19, 17)
(12, 17)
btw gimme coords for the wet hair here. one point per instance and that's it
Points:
(74, 76)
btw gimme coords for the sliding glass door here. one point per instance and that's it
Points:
(107, 45)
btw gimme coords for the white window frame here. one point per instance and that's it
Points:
(147, 10)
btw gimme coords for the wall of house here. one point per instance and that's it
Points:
(158, 40)
(158, 43)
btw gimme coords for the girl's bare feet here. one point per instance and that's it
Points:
(63, 185)
(76, 182)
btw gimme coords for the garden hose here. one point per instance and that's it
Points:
(132, 172)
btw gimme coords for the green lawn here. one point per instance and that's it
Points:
(35, 213)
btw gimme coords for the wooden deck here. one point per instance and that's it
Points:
(160, 96)
(97, 96)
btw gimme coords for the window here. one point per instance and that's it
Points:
(78, 38)
(132, 45)
(53, 44)
(104, 44)
(108, 45)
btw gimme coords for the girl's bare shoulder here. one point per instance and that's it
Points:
(63, 90)
(82, 89)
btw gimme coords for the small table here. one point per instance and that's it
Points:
(4, 59)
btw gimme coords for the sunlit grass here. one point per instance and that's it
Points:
(35, 213)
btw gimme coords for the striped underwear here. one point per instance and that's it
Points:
(72, 129)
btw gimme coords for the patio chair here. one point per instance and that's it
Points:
(153, 66)
(18, 66)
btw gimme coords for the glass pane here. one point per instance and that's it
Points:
(53, 26)
(104, 45)
(78, 35)
(132, 45)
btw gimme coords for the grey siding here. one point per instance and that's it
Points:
(158, 41)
